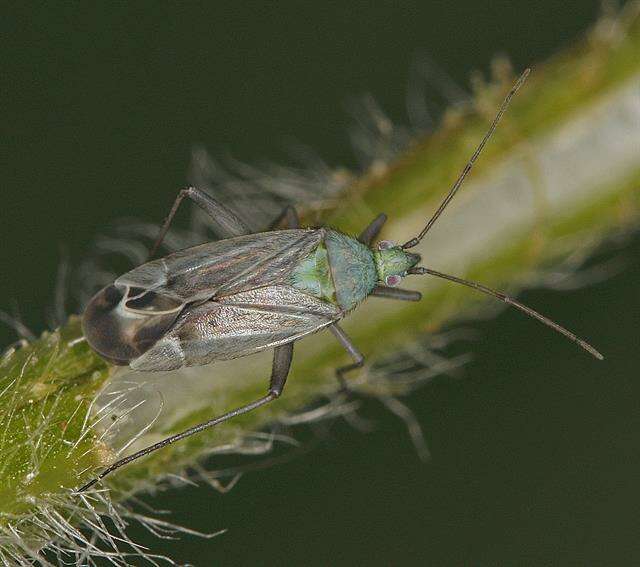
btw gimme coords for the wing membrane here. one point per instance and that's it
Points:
(237, 325)
(225, 267)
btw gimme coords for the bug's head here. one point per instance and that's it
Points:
(392, 262)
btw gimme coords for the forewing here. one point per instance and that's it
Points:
(225, 267)
(237, 325)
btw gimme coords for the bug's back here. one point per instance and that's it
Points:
(215, 301)
(237, 325)
(225, 267)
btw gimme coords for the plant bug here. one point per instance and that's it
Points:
(250, 292)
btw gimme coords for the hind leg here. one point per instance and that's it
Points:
(282, 356)
(225, 222)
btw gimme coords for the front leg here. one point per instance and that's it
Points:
(225, 222)
(396, 293)
(372, 230)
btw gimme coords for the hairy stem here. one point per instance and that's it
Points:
(562, 171)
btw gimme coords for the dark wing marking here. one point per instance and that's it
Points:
(224, 267)
(237, 325)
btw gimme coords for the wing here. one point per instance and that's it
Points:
(222, 268)
(237, 325)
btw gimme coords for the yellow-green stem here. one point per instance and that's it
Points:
(519, 212)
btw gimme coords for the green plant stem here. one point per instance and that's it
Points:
(526, 206)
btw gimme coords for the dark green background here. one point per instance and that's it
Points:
(535, 452)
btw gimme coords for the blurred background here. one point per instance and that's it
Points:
(534, 451)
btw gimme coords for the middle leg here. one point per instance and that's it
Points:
(358, 357)
(288, 218)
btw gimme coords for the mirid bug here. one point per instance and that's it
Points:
(250, 292)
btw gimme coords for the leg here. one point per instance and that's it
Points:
(396, 293)
(288, 218)
(281, 363)
(357, 356)
(225, 223)
(282, 356)
(394, 405)
(373, 229)
(18, 326)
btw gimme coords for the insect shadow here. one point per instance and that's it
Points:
(254, 291)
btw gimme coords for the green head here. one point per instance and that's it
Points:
(392, 262)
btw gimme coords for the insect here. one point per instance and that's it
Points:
(250, 292)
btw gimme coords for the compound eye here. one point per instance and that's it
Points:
(392, 281)
(386, 244)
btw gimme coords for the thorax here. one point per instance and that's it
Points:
(340, 270)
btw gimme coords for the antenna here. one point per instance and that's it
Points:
(510, 301)
(467, 168)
